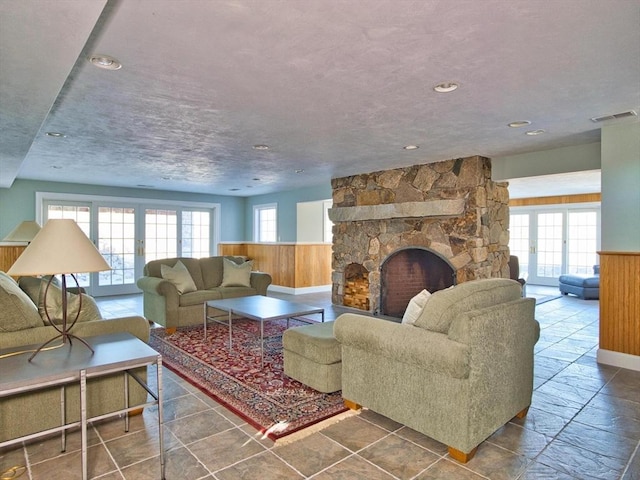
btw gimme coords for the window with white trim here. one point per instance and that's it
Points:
(265, 223)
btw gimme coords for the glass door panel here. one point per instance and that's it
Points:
(116, 242)
(519, 240)
(582, 240)
(160, 234)
(549, 248)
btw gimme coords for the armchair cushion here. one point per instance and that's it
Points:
(17, 311)
(179, 276)
(445, 305)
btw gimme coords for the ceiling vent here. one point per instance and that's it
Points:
(615, 116)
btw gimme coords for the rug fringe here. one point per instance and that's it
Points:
(305, 432)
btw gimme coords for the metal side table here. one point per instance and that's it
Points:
(113, 353)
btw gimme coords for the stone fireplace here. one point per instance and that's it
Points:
(451, 212)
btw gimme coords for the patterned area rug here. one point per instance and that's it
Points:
(265, 397)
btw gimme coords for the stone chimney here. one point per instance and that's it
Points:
(452, 208)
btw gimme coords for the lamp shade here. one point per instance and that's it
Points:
(60, 247)
(24, 232)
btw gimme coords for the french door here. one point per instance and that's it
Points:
(129, 235)
(553, 242)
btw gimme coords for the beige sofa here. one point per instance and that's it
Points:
(21, 325)
(463, 370)
(165, 305)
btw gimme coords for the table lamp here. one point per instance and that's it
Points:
(24, 232)
(60, 248)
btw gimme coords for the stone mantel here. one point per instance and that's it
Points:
(429, 208)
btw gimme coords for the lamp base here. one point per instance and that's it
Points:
(66, 336)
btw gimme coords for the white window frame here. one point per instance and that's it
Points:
(257, 230)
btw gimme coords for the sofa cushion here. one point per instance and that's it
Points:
(444, 305)
(199, 297)
(415, 307)
(179, 276)
(211, 268)
(17, 311)
(236, 275)
(31, 286)
(89, 309)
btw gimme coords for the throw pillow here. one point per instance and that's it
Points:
(89, 310)
(17, 311)
(179, 276)
(415, 307)
(31, 286)
(236, 275)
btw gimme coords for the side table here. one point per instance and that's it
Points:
(113, 353)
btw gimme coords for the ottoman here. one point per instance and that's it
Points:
(313, 356)
(583, 286)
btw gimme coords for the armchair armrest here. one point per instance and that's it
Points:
(403, 343)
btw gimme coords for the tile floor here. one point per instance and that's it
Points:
(584, 423)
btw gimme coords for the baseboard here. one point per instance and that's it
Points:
(618, 359)
(299, 291)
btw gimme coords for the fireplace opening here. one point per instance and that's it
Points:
(356, 287)
(406, 272)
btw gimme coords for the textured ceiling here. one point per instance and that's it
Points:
(334, 87)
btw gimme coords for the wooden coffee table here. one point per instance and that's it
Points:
(259, 308)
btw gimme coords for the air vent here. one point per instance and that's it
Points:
(615, 116)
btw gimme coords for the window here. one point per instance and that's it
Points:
(328, 224)
(265, 225)
(196, 242)
(160, 234)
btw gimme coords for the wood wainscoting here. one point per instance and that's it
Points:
(620, 302)
(9, 254)
(294, 265)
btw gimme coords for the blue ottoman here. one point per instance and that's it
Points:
(584, 286)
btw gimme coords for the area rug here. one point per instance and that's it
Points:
(264, 397)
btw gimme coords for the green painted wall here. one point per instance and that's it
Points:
(18, 203)
(621, 188)
(287, 209)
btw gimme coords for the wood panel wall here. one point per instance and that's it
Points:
(620, 302)
(555, 200)
(294, 265)
(9, 254)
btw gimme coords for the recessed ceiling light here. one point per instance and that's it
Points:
(411, 147)
(54, 134)
(105, 61)
(519, 123)
(300, 170)
(234, 189)
(533, 133)
(446, 87)
(261, 147)
(256, 179)
(56, 167)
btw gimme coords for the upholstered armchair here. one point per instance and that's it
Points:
(460, 372)
(514, 273)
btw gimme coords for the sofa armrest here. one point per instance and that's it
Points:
(260, 281)
(135, 325)
(403, 343)
(157, 286)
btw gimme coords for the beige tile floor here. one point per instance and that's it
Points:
(584, 423)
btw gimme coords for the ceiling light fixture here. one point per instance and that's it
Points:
(533, 133)
(411, 147)
(300, 170)
(519, 123)
(105, 61)
(55, 134)
(261, 147)
(446, 87)
(234, 189)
